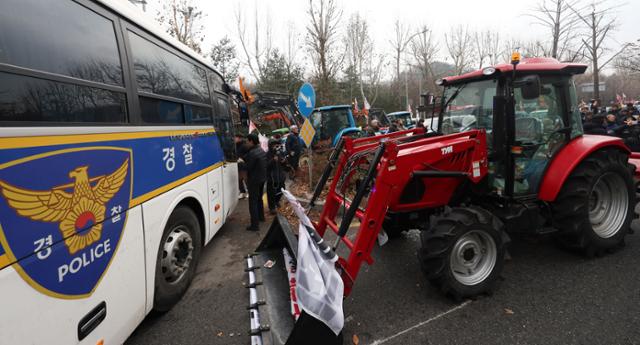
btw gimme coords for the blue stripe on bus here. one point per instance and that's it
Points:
(157, 161)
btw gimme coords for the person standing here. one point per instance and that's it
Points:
(256, 164)
(294, 150)
(275, 174)
(373, 129)
(241, 151)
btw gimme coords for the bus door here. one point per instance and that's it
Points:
(229, 172)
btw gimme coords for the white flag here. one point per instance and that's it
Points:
(252, 127)
(264, 142)
(366, 104)
(319, 287)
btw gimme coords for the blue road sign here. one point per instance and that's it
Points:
(306, 99)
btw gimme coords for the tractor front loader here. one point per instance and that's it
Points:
(507, 157)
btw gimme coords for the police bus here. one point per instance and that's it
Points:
(116, 168)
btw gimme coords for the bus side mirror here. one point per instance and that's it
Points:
(529, 86)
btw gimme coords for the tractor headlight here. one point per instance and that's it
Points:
(488, 71)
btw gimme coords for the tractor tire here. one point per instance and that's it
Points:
(177, 258)
(463, 252)
(595, 207)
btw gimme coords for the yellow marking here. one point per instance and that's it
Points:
(142, 198)
(22, 142)
(4, 261)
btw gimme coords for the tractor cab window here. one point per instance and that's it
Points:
(328, 123)
(537, 132)
(469, 106)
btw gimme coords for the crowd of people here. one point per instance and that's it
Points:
(258, 168)
(617, 120)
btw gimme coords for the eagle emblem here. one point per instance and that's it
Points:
(79, 213)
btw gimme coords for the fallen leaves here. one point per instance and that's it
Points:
(355, 339)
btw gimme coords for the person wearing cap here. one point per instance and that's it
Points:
(294, 150)
(256, 164)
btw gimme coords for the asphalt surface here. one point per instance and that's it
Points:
(547, 296)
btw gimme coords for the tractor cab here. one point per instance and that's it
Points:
(332, 122)
(528, 110)
(404, 116)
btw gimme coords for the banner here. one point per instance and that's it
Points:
(319, 287)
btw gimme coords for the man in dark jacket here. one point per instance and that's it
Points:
(241, 150)
(256, 164)
(294, 150)
(630, 133)
(595, 125)
(276, 162)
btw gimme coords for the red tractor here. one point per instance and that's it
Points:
(508, 156)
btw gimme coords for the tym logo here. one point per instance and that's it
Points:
(447, 150)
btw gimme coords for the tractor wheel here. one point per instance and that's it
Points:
(595, 207)
(463, 252)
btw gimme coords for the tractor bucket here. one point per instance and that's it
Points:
(275, 315)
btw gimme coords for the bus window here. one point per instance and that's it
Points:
(224, 128)
(25, 98)
(197, 115)
(161, 72)
(161, 111)
(60, 37)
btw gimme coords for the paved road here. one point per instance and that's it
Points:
(548, 296)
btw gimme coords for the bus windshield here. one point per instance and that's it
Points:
(468, 106)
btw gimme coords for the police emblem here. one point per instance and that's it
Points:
(62, 214)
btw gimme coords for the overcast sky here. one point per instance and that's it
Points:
(506, 16)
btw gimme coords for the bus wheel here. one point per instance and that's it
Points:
(177, 258)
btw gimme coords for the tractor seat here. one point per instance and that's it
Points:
(528, 130)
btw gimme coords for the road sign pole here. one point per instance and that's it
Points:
(310, 155)
(306, 102)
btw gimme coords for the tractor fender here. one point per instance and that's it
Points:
(569, 157)
(343, 132)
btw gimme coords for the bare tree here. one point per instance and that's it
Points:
(528, 48)
(322, 41)
(360, 53)
(424, 49)
(256, 44)
(400, 42)
(563, 25)
(292, 47)
(359, 45)
(487, 47)
(182, 21)
(599, 19)
(458, 41)
(629, 62)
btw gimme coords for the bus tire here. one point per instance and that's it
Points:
(177, 258)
